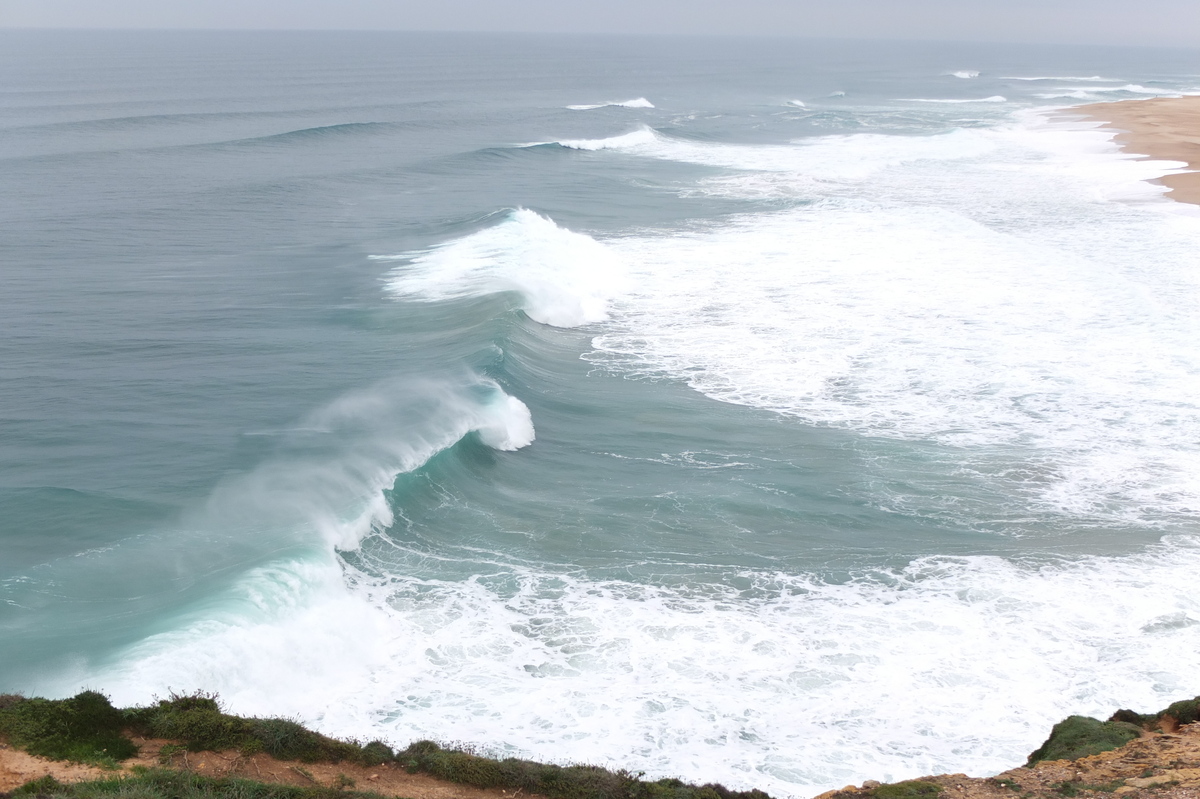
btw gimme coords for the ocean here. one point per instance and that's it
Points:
(774, 412)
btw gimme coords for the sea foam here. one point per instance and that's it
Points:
(788, 684)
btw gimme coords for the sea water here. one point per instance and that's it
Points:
(780, 413)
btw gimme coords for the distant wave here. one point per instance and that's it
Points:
(824, 158)
(625, 140)
(796, 103)
(313, 133)
(966, 73)
(1096, 78)
(1090, 92)
(995, 98)
(640, 102)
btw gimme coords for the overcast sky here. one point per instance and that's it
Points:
(1168, 22)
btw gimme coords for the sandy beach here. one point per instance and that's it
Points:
(1163, 128)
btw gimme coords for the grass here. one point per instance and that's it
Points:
(166, 784)
(909, 789)
(1079, 736)
(197, 723)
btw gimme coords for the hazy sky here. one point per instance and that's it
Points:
(1171, 22)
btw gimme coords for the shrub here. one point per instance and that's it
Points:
(85, 728)
(554, 782)
(197, 722)
(1080, 736)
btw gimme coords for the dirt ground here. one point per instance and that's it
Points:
(1156, 766)
(18, 768)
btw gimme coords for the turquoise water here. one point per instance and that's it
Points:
(780, 413)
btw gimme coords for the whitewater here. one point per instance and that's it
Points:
(831, 419)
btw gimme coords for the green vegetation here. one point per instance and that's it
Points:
(1184, 712)
(555, 782)
(164, 784)
(910, 789)
(85, 728)
(88, 729)
(197, 723)
(1080, 736)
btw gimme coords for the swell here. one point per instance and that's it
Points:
(299, 137)
(322, 490)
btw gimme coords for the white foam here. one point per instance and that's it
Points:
(996, 98)
(796, 103)
(792, 685)
(947, 309)
(564, 279)
(966, 73)
(1090, 92)
(980, 289)
(640, 102)
(823, 158)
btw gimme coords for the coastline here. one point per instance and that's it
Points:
(84, 748)
(1164, 128)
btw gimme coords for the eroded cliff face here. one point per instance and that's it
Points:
(1155, 765)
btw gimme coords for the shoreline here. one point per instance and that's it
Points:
(1162, 128)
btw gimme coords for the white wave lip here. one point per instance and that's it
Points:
(966, 74)
(564, 279)
(639, 102)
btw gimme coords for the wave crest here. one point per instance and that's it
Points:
(565, 279)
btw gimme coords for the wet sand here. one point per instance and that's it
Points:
(1163, 129)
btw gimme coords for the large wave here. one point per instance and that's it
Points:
(564, 278)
